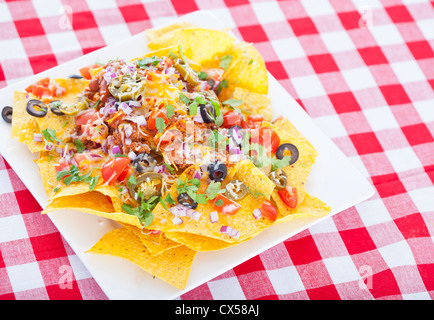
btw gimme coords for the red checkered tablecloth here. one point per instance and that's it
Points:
(362, 69)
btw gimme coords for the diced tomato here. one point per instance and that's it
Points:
(255, 121)
(156, 113)
(57, 90)
(231, 118)
(43, 82)
(289, 196)
(165, 137)
(62, 166)
(85, 71)
(169, 62)
(112, 169)
(89, 116)
(39, 90)
(266, 137)
(125, 173)
(82, 160)
(225, 205)
(268, 210)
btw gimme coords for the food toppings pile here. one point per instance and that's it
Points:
(169, 146)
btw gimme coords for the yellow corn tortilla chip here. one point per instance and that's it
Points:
(63, 125)
(24, 126)
(92, 202)
(153, 34)
(155, 243)
(255, 103)
(172, 266)
(298, 172)
(243, 220)
(200, 45)
(199, 243)
(311, 207)
(247, 70)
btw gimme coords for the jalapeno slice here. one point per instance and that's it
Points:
(189, 75)
(147, 185)
(7, 114)
(235, 190)
(126, 87)
(36, 108)
(280, 152)
(59, 108)
(186, 201)
(279, 178)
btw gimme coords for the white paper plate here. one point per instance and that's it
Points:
(333, 179)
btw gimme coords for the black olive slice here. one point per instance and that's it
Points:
(144, 162)
(36, 108)
(75, 76)
(217, 171)
(279, 178)
(7, 114)
(280, 152)
(54, 107)
(187, 201)
(207, 112)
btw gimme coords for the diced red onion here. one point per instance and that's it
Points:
(132, 155)
(214, 217)
(179, 210)
(231, 232)
(116, 149)
(170, 71)
(128, 141)
(141, 121)
(195, 215)
(49, 146)
(108, 76)
(135, 104)
(236, 135)
(128, 130)
(160, 169)
(197, 175)
(37, 137)
(177, 220)
(257, 213)
(59, 150)
(125, 108)
(198, 118)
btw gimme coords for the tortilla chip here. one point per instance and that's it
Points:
(172, 266)
(200, 45)
(63, 125)
(92, 202)
(24, 126)
(298, 172)
(156, 243)
(197, 242)
(243, 220)
(311, 207)
(247, 70)
(254, 103)
(153, 34)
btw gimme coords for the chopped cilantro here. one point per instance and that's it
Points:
(160, 124)
(184, 98)
(79, 145)
(232, 102)
(50, 135)
(202, 75)
(143, 211)
(225, 61)
(170, 110)
(148, 61)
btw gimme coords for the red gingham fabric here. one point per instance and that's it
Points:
(362, 69)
